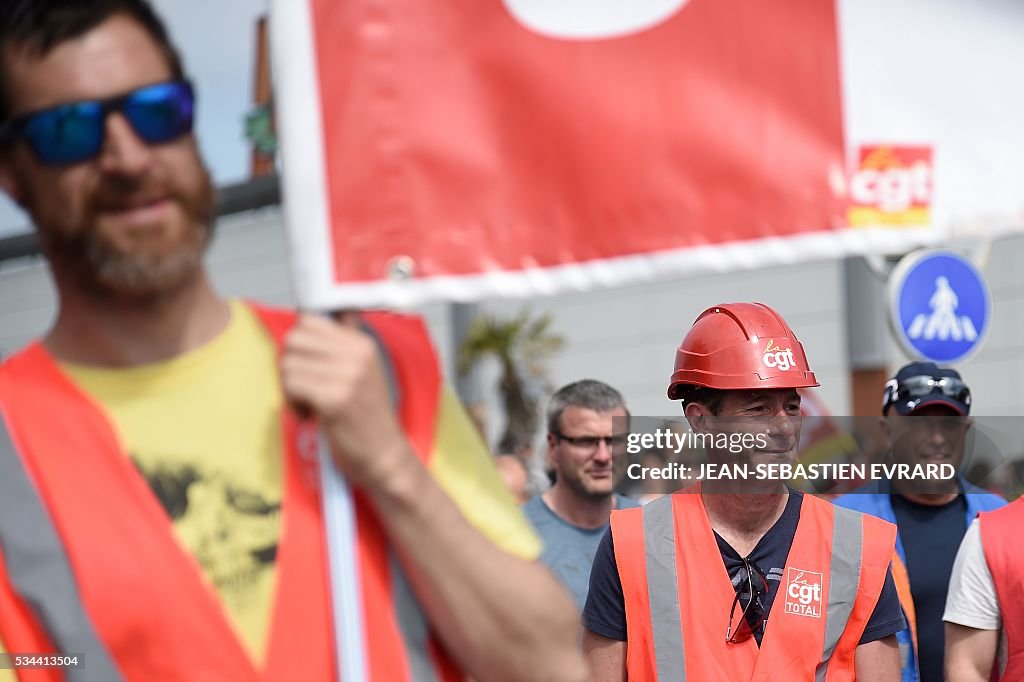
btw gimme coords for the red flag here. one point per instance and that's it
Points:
(468, 154)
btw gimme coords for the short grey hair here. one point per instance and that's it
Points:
(589, 394)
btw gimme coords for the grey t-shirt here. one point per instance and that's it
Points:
(568, 550)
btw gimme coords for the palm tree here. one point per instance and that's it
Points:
(522, 345)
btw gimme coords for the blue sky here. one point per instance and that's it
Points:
(216, 40)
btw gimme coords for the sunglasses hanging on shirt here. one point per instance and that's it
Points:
(751, 588)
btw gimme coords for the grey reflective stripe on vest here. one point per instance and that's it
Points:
(39, 570)
(394, 390)
(663, 589)
(843, 581)
(663, 585)
(1002, 653)
(412, 624)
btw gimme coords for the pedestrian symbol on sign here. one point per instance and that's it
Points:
(940, 306)
(943, 323)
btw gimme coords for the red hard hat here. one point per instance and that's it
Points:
(740, 346)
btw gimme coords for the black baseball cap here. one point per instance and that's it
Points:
(920, 384)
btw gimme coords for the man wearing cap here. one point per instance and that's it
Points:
(932, 516)
(741, 580)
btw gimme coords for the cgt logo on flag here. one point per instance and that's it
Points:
(803, 592)
(891, 186)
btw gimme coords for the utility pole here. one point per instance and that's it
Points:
(260, 121)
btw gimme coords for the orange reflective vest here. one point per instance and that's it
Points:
(901, 579)
(678, 594)
(1004, 554)
(90, 565)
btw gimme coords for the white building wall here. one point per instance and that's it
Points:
(249, 258)
(625, 336)
(26, 302)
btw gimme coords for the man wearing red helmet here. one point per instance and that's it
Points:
(682, 589)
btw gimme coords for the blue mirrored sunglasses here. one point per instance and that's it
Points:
(73, 132)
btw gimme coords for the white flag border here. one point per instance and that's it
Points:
(307, 216)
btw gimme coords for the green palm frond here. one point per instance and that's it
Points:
(522, 345)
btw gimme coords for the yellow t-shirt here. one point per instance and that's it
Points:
(204, 430)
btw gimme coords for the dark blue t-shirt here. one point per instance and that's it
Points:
(605, 611)
(930, 536)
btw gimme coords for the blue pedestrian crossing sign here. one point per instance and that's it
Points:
(940, 306)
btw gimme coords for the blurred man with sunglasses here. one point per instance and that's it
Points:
(587, 423)
(743, 579)
(159, 503)
(925, 412)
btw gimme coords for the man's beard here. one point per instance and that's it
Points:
(578, 485)
(98, 266)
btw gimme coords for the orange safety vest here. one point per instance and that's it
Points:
(90, 564)
(1004, 554)
(901, 579)
(678, 594)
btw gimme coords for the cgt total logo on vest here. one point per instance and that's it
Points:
(803, 592)
(778, 358)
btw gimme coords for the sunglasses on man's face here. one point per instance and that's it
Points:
(74, 132)
(921, 387)
(753, 616)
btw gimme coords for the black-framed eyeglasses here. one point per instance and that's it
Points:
(913, 388)
(74, 132)
(590, 443)
(751, 588)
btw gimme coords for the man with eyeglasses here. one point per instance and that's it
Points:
(925, 412)
(160, 508)
(587, 422)
(743, 579)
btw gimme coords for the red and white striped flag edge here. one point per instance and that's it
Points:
(466, 149)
